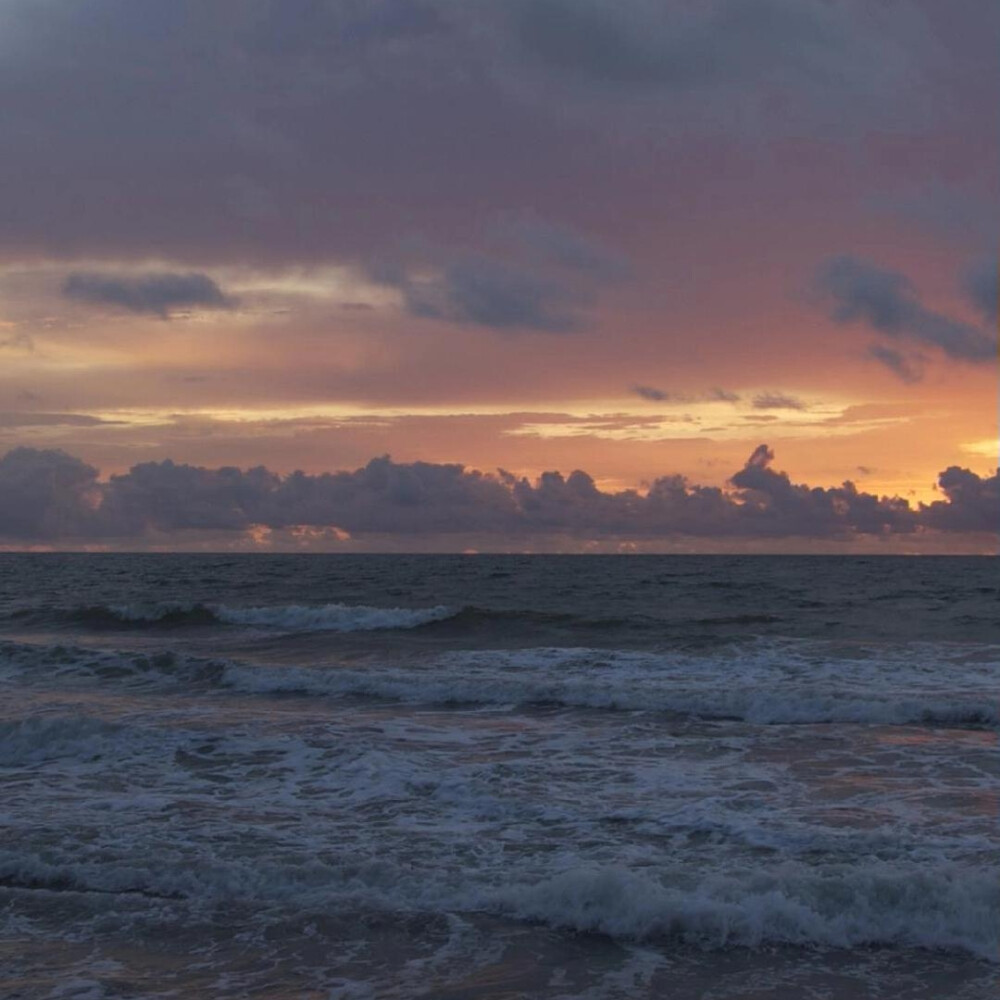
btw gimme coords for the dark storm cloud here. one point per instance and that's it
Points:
(777, 401)
(158, 294)
(886, 301)
(48, 495)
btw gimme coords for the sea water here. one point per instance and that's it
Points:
(553, 777)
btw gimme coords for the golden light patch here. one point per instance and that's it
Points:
(987, 448)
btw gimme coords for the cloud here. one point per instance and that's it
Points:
(714, 395)
(310, 129)
(532, 275)
(909, 367)
(51, 420)
(490, 293)
(722, 395)
(547, 243)
(158, 294)
(944, 208)
(982, 285)
(636, 43)
(973, 502)
(652, 394)
(777, 401)
(775, 506)
(17, 342)
(48, 495)
(860, 292)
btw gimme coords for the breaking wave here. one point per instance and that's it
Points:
(947, 909)
(943, 908)
(744, 703)
(760, 692)
(292, 618)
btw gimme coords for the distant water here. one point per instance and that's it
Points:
(457, 777)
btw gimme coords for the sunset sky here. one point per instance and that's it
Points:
(638, 238)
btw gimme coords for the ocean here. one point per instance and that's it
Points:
(332, 777)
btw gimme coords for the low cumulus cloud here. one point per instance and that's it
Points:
(859, 292)
(49, 495)
(972, 504)
(156, 294)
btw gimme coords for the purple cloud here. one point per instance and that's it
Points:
(49, 495)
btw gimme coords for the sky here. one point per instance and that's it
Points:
(581, 275)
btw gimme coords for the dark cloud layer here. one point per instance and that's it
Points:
(886, 301)
(158, 294)
(303, 130)
(49, 495)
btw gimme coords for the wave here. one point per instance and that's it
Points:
(343, 617)
(75, 664)
(947, 909)
(545, 677)
(37, 740)
(334, 617)
(612, 680)
(753, 706)
(293, 618)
